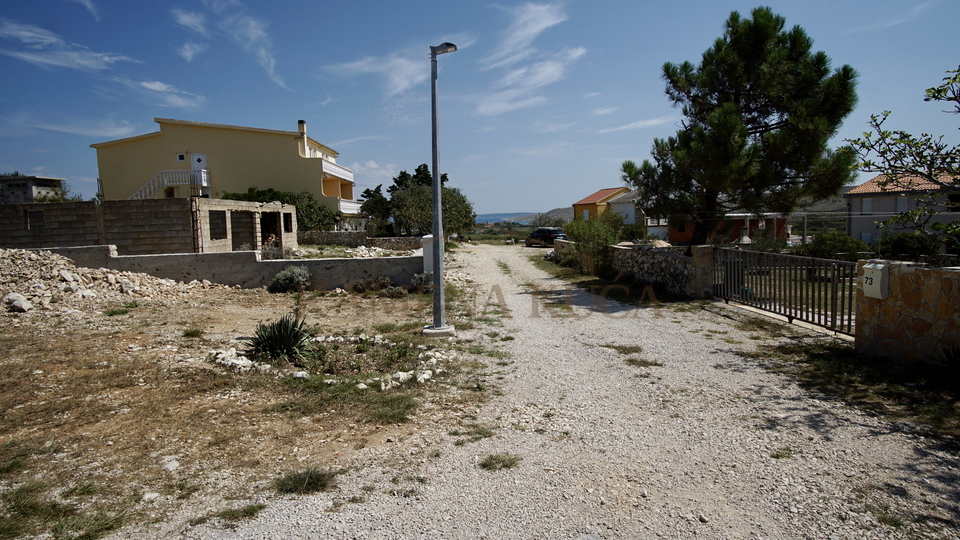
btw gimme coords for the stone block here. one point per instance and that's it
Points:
(889, 332)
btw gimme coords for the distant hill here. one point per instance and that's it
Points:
(565, 212)
(494, 218)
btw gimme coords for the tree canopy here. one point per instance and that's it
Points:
(311, 215)
(902, 157)
(411, 204)
(758, 111)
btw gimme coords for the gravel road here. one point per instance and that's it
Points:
(708, 444)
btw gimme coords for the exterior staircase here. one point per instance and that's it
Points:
(164, 179)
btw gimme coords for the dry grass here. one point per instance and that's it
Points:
(98, 411)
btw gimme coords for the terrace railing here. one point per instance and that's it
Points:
(818, 291)
(164, 179)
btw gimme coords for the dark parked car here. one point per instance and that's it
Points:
(544, 236)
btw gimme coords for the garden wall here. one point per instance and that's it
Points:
(920, 314)
(678, 274)
(244, 268)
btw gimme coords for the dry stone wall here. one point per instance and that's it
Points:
(358, 238)
(920, 314)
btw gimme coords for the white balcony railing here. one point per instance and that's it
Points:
(198, 177)
(333, 169)
(349, 207)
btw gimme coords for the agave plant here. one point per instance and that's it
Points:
(284, 339)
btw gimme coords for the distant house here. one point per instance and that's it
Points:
(871, 203)
(596, 204)
(197, 159)
(739, 227)
(26, 189)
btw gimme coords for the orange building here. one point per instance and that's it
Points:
(596, 204)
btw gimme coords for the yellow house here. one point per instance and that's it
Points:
(596, 204)
(197, 159)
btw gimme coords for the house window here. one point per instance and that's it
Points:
(218, 224)
(287, 222)
(682, 228)
(586, 215)
(181, 157)
(34, 220)
(866, 237)
(866, 205)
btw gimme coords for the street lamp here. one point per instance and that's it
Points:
(439, 328)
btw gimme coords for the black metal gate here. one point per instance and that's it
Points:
(817, 291)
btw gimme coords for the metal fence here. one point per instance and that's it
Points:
(817, 291)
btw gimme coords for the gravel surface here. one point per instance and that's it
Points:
(708, 444)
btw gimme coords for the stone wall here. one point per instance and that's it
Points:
(357, 239)
(144, 226)
(244, 268)
(678, 274)
(48, 225)
(920, 314)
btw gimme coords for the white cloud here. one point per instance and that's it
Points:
(164, 94)
(191, 21)
(639, 124)
(541, 127)
(364, 138)
(190, 50)
(604, 110)
(103, 129)
(369, 173)
(591, 94)
(249, 32)
(90, 7)
(522, 82)
(529, 21)
(44, 49)
(399, 73)
(912, 14)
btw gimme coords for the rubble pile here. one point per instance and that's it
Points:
(44, 280)
(364, 252)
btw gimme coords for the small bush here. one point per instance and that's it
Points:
(308, 481)
(283, 339)
(393, 292)
(380, 283)
(269, 253)
(290, 279)
(496, 462)
(236, 514)
(909, 246)
(423, 282)
(833, 245)
(193, 332)
(116, 311)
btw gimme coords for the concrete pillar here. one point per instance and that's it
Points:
(427, 243)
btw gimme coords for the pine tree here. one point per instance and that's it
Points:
(759, 111)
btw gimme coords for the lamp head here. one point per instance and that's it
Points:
(443, 48)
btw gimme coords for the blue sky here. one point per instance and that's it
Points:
(539, 106)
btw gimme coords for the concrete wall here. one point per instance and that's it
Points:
(921, 313)
(244, 268)
(148, 226)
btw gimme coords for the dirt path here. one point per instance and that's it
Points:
(632, 423)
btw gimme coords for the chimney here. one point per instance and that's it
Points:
(302, 128)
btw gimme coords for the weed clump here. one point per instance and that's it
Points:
(285, 338)
(496, 462)
(290, 279)
(378, 284)
(308, 481)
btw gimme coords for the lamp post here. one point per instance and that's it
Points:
(439, 328)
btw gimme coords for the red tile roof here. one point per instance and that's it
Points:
(906, 184)
(600, 195)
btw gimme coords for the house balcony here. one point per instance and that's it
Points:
(332, 169)
(348, 207)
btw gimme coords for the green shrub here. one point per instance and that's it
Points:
(833, 245)
(286, 338)
(593, 238)
(909, 246)
(380, 283)
(290, 279)
(393, 292)
(308, 481)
